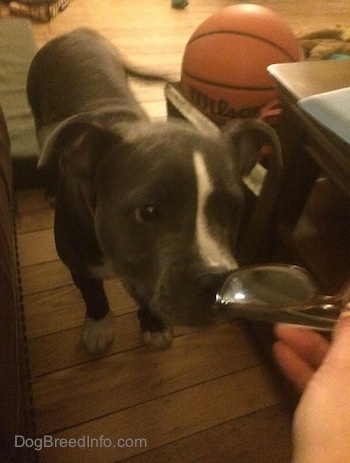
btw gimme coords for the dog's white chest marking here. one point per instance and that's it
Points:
(212, 252)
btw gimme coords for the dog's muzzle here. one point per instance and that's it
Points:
(208, 283)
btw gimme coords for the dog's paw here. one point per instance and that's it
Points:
(97, 335)
(158, 339)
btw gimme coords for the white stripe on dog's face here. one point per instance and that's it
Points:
(211, 251)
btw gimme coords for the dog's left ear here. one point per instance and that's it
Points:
(82, 146)
(247, 137)
(78, 139)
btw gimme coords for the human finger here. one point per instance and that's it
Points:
(310, 346)
(339, 354)
(292, 365)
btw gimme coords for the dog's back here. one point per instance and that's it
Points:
(75, 73)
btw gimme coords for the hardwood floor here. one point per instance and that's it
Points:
(210, 398)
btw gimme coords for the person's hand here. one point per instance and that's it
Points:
(321, 427)
(299, 353)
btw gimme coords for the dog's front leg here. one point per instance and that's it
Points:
(154, 331)
(98, 330)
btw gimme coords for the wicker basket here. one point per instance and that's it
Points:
(38, 10)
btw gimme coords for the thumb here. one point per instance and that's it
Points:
(340, 348)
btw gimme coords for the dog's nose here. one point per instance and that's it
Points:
(209, 282)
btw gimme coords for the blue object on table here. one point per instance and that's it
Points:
(331, 109)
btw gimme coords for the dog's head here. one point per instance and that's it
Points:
(167, 203)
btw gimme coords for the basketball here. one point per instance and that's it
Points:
(224, 64)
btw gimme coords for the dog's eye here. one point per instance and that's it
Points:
(146, 213)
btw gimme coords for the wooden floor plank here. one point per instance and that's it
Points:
(113, 380)
(242, 440)
(33, 212)
(36, 247)
(171, 417)
(63, 308)
(51, 311)
(45, 276)
(62, 349)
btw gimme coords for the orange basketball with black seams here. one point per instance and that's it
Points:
(224, 64)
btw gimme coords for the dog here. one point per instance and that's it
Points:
(157, 204)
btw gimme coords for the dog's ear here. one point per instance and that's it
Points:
(247, 137)
(81, 146)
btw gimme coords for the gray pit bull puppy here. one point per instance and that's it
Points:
(157, 204)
